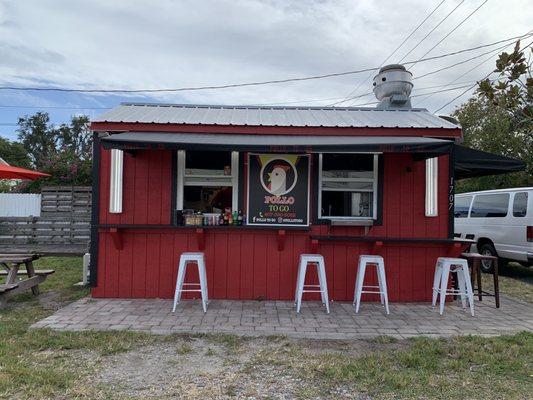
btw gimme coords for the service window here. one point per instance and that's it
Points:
(461, 206)
(520, 204)
(490, 205)
(207, 180)
(348, 186)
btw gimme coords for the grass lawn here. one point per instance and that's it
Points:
(515, 281)
(45, 364)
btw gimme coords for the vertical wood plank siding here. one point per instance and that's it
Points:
(245, 264)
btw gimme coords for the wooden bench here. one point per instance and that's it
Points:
(13, 284)
(6, 287)
(24, 272)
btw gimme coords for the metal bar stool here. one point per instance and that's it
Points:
(199, 259)
(378, 262)
(444, 266)
(321, 288)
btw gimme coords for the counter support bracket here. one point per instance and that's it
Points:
(116, 235)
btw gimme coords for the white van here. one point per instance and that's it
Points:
(500, 221)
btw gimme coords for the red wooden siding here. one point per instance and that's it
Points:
(147, 188)
(244, 263)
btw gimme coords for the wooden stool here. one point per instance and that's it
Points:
(474, 262)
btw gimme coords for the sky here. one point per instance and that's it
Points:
(180, 43)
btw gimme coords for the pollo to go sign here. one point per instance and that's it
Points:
(278, 189)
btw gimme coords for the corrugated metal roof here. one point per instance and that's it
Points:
(331, 117)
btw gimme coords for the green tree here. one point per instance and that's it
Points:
(498, 119)
(38, 137)
(14, 153)
(76, 137)
(64, 152)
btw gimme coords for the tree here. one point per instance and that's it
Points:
(64, 151)
(76, 137)
(513, 91)
(38, 137)
(498, 119)
(14, 153)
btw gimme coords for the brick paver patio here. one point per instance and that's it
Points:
(279, 318)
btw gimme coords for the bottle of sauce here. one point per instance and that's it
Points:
(239, 218)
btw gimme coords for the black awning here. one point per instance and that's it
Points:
(275, 143)
(470, 163)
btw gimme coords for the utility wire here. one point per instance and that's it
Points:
(476, 66)
(526, 35)
(395, 50)
(55, 107)
(59, 89)
(431, 31)
(363, 104)
(452, 31)
(471, 87)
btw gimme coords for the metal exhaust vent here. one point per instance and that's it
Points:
(392, 87)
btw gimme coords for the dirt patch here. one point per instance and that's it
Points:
(215, 368)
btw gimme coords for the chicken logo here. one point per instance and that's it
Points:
(278, 176)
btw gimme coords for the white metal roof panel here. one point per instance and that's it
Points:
(333, 117)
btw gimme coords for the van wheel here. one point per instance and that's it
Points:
(488, 249)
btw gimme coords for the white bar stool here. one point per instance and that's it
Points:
(377, 261)
(322, 287)
(444, 266)
(199, 259)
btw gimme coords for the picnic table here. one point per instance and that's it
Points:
(14, 282)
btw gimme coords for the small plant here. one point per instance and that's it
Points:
(184, 349)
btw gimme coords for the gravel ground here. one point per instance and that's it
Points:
(214, 367)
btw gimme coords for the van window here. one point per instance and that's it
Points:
(461, 206)
(490, 205)
(520, 204)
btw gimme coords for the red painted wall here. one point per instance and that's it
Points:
(244, 263)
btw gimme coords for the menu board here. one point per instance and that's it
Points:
(278, 189)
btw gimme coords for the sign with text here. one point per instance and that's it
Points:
(278, 189)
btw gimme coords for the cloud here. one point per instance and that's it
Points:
(139, 44)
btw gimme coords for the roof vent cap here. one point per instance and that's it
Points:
(392, 87)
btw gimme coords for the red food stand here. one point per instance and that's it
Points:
(337, 181)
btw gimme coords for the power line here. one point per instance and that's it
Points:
(59, 89)
(431, 31)
(471, 87)
(453, 30)
(441, 69)
(525, 36)
(476, 66)
(396, 49)
(55, 107)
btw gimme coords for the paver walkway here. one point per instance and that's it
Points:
(277, 317)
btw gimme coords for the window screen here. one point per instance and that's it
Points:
(490, 205)
(520, 204)
(461, 206)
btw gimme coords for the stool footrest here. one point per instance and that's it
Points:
(190, 290)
